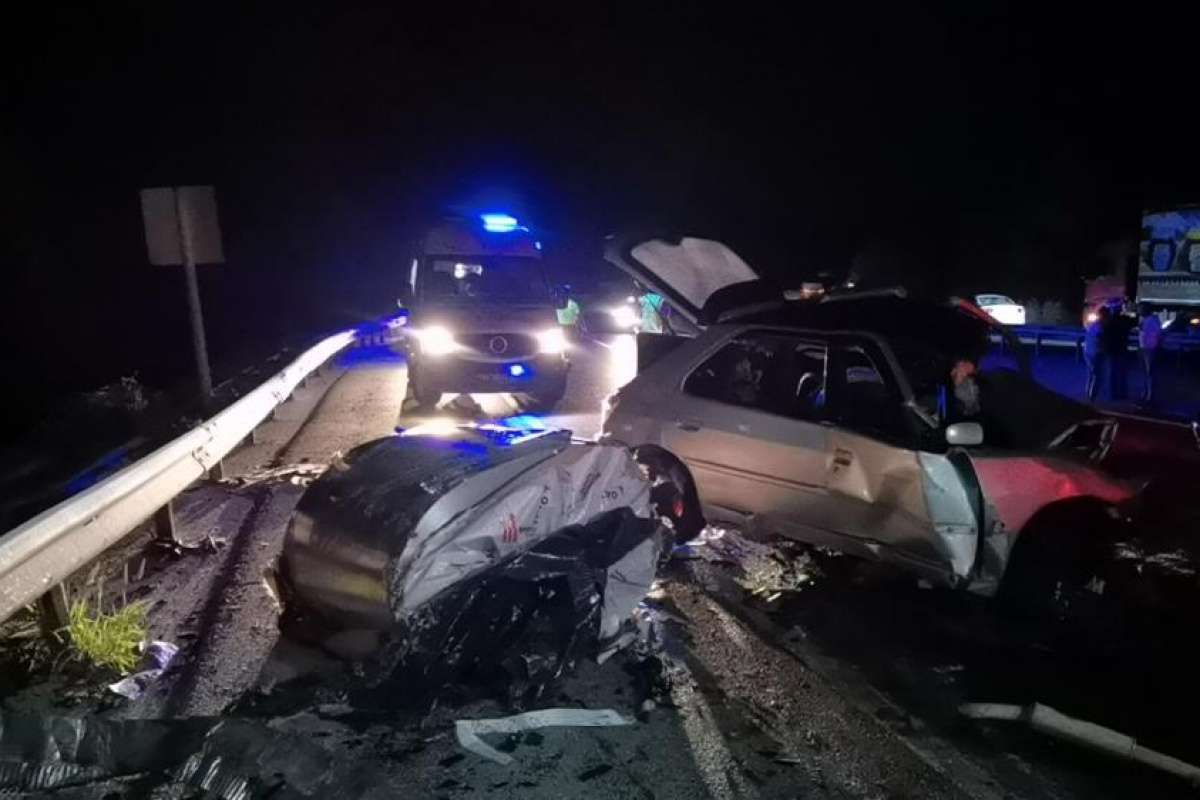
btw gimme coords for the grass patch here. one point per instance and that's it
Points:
(109, 640)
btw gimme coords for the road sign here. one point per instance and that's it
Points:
(182, 228)
(174, 215)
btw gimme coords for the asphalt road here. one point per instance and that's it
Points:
(599, 366)
(845, 689)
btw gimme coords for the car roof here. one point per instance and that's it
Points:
(949, 326)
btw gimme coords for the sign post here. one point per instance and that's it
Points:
(182, 228)
(199, 344)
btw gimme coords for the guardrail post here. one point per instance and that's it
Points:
(217, 471)
(1037, 345)
(1079, 350)
(275, 411)
(164, 524)
(53, 612)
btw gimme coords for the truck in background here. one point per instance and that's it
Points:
(1168, 278)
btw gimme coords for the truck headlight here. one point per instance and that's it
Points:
(625, 316)
(437, 341)
(552, 341)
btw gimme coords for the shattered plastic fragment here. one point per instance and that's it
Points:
(156, 657)
(468, 731)
(529, 616)
(301, 474)
(241, 760)
(618, 644)
(230, 759)
(767, 571)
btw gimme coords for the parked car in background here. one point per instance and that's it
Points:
(1003, 309)
(845, 423)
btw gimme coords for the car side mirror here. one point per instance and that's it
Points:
(964, 434)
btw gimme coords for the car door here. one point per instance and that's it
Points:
(876, 478)
(748, 424)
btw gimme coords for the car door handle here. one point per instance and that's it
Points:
(842, 458)
(689, 425)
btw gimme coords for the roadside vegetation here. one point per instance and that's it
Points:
(111, 640)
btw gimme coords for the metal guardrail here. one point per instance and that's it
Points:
(1060, 336)
(40, 554)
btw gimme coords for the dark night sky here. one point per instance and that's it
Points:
(988, 146)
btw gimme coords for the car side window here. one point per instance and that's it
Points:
(928, 372)
(863, 399)
(770, 372)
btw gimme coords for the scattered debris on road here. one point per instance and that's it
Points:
(209, 544)
(1175, 563)
(156, 657)
(468, 731)
(301, 474)
(229, 759)
(767, 571)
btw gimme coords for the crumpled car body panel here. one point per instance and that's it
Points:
(1016, 487)
(408, 517)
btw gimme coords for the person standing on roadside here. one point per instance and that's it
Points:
(1093, 351)
(1114, 341)
(652, 311)
(1149, 340)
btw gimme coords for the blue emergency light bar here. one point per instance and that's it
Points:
(499, 223)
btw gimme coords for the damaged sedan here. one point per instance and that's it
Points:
(872, 423)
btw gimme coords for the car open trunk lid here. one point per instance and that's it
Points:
(687, 271)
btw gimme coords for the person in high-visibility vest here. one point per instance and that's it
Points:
(652, 312)
(570, 316)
